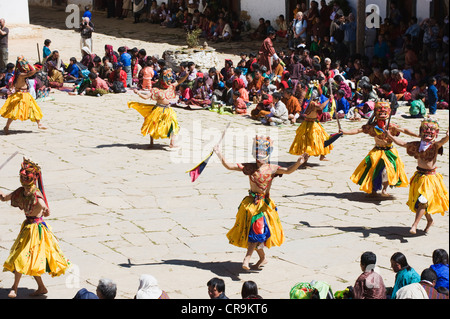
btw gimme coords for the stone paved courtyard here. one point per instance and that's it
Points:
(121, 210)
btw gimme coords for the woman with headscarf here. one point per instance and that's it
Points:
(109, 52)
(149, 289)
(88, 58)
(21, 105)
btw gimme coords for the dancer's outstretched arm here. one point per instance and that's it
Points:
(5, 198)
(291, 169)
(352, 132)
(231, 167)
(407, 131)
(443, 140)
(396, 140)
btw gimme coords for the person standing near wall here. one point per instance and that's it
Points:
(4, 31)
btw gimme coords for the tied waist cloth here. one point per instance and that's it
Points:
(36, 220)
(259, 229)
(425, 171)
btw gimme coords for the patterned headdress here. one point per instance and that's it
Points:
(262, 148)
(429, 125)
(30, 175)
(167, 78)
(22, 64)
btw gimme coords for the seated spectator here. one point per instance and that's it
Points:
(87, 58)
(370, 284)
(255, 85)
(118, 75)
(293, 105)
(440, 266)
(260, 32)
(404, 274)
(385, 92)
(418, 108)
(98, 86)
(249, 289)
(105, 69)
(73, 71)
(399, 85)
(263, 108)
(216, 288)
(106, 289)
(55, 77)
(342, 85)
(425, 289)
(149, 289)
(282, 26)
(278, 113)
(239, 105)
(443, 93)
(342, 105)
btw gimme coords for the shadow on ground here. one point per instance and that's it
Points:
(388, 232)
(351, 196)
(22, 293)
(222, 269)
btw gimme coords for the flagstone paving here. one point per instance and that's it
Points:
(120, 210)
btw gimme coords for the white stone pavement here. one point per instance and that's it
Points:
(121, 210)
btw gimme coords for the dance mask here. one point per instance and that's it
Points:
(429, 130)
(29, 173)
(167, 78)
(262, 148)
(382, 110)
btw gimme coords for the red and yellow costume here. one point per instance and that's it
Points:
(427, 188)
(257, 219)
(160, 120)
(36, 249)
(21, 105)
(383, 163)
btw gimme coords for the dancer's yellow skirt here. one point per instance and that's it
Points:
(159, 121)
(368, 173)
(21, 106)
(432, 187)
(310, 138)
(248, 214)
(36, 251)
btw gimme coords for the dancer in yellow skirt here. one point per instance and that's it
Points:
(160, 120)
(310, 135)
(36, 250)
(257, 222)
(382, 167)
(21, 105)
(427, 193)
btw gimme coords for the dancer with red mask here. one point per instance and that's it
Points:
(427, 193)
(36, 249)
(382, 167)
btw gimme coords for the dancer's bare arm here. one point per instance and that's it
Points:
(5, 198)
(443, 140)
(352, 132)
(141, 95)
(291, 169)
(231, 167)
(407, 132)
(396, 140)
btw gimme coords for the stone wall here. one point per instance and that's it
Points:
(204, 59)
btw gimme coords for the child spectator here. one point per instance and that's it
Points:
(417, 108)
(342, 105)
(293, 105)
(386, 93)
(432, 96)
(46, 49)
(278, 113)
(239, 105)
(147, 75)
(73, 71)
(440, 266)
(216, 288)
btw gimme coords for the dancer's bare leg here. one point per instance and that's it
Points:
(42, 290)
(6, 128)
(323, 158)
(384, 192)
(40, 125)
(430, 222)
(151, 142)
(250, 250)
(173, 144)
(13, 292)
(419, 214)
(262, 258)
